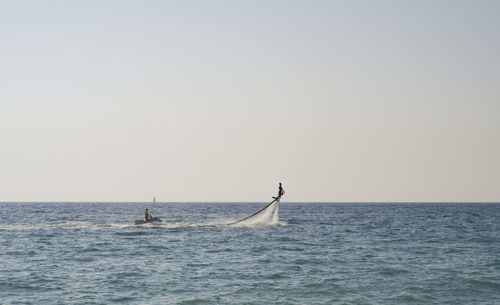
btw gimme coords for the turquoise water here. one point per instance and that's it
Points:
(338, 253)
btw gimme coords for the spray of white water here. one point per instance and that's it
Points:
(265, 218)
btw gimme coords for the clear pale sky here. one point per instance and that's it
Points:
(221, 100)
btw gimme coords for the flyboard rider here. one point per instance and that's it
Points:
(281, 192)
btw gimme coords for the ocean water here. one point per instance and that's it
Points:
(316, 253)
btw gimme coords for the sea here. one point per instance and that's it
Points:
(309, 253)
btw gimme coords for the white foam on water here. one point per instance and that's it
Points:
(275, 218)
(74, 225)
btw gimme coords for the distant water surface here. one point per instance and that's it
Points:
(319, 253)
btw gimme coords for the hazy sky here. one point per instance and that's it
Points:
(221, 100)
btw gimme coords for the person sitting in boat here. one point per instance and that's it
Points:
(147, 216)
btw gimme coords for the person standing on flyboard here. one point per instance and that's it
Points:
(281, 192)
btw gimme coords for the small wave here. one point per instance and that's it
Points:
(485, 283)
(392, 271)
(407, 298)
(195, 300)
(122, 299)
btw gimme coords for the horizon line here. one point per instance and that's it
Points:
(321, 202)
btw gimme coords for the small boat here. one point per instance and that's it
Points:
(154, 220)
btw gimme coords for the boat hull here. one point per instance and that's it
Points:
(155, 220)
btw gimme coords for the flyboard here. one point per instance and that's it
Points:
(276, 200)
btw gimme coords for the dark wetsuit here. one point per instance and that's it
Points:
(147, 216)
(281, 191)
